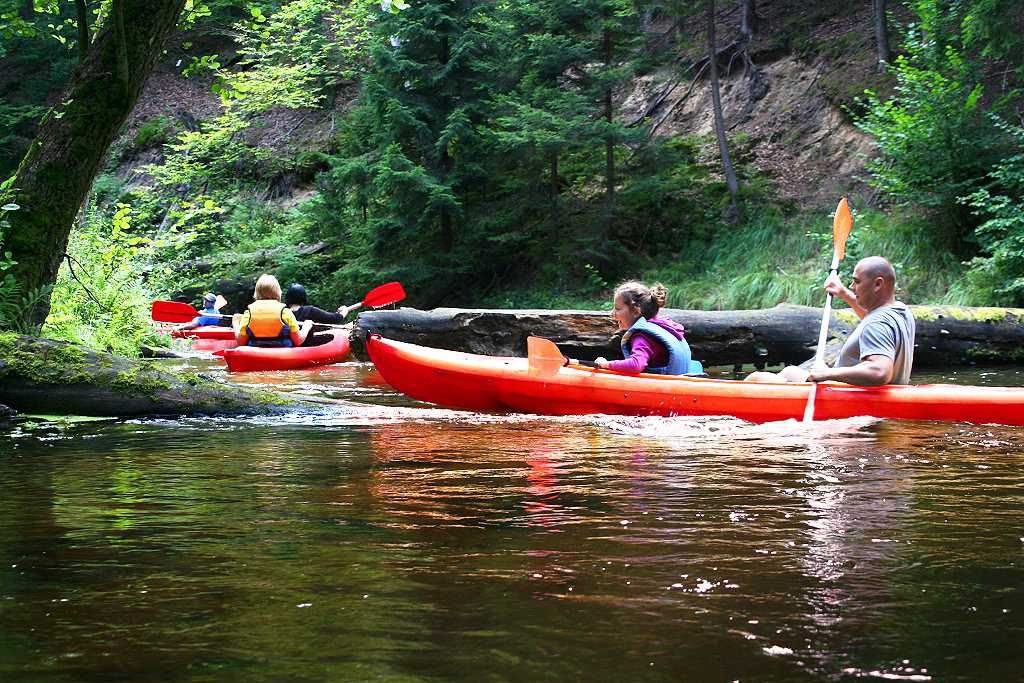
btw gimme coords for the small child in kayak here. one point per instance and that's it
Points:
(649, 343)
(210, 315)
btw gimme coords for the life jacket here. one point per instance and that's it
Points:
(679, 361)
(266, 324)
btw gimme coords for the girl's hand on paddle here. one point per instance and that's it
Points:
(601, 362)
(343, 310)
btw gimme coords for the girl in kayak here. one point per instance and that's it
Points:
(267, 321)
(649, 343)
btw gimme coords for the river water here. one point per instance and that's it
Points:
(382, 539)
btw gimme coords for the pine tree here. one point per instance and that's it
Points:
(412, 160)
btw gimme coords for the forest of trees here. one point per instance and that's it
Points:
(482, 153)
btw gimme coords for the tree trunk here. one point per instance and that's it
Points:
(55, 377)
(553, 189)
(447, 234)
(28, 10)
(609, 144)
(748, 20)
(82, 17)
(881, 35)
(716, 100)
(57, 173)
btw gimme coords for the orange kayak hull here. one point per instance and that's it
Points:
(500, 384)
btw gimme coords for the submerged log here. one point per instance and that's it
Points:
(58, 378)
(774, 336)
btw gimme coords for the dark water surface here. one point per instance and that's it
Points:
(381, 539)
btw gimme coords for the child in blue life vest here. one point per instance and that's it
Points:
(210, 315)
(649, 343)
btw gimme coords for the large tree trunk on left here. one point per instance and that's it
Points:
(56, 174)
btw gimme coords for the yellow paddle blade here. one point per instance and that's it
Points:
(544, 357)
(220, 303)
(842, 224)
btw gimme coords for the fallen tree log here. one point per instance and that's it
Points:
(775, 336)
(59, 378)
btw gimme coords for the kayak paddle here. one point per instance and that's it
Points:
(385, 294)
(842, 224)
(545, 360)
(174, 312)
(179, 312)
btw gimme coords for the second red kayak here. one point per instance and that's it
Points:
(208, 332)
(252, 358)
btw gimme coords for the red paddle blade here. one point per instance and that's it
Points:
(387, 293)
(173, 312)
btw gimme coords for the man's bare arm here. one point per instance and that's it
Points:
(872, 371)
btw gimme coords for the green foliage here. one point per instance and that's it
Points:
(13, 300)
(153, 132)
(936, 144)
(100, 299)
(1000, 268)
(201, 65)
(772, 258)
(287, 60)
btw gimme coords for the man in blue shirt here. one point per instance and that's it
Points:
(210, 315)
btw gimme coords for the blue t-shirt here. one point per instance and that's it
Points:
(208, 316)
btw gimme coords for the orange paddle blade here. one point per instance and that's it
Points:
(544, 357)
(173, 312)
(388, 293)
(842, 224)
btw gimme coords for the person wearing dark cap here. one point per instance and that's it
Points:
(295, 299)
(210, 315)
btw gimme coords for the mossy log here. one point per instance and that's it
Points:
(781, 335)
(58, 378)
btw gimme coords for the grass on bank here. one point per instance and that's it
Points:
(771, 258)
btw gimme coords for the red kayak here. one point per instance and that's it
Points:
(253, 358)
(209, 332)
(507, 385)
(213, 345)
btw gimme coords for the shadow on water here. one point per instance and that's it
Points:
(381, 538)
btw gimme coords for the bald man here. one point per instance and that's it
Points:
(880, 350)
